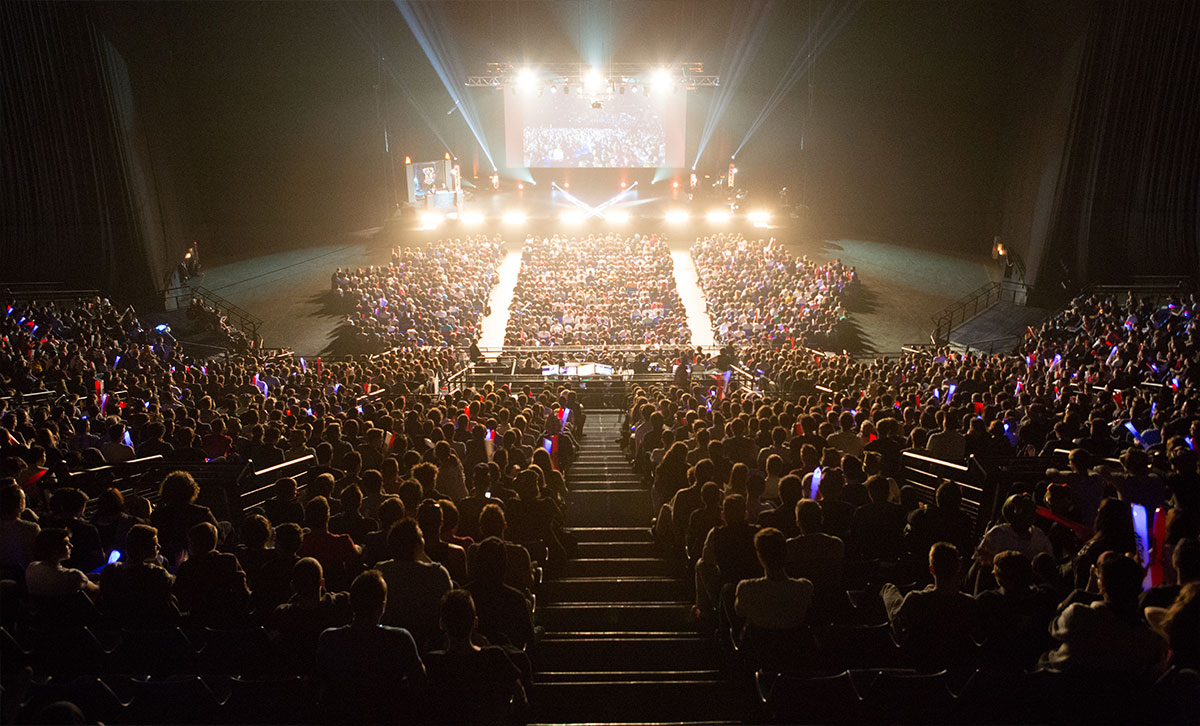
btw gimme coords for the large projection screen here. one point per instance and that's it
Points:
(563, 129)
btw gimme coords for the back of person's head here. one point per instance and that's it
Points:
(307, 576)
(1120, 579)
(141, 543)
(410, 494)
(944, 562)
(1186, 560)
(949, 496)
(50, 544)
(368, 596)
(878, 488)
(429, 518)
(491, 560)
(316, 514)
(491, 521)
(755, 486)
(457, 613)
(12, 500)
(1019, 511)
(710, 495)
(1080, 459)
(809, 516)
(256, 531)
(202, 538)
(285, 488)
(775, 465)
(320, 486)
(288, 538)
(110, 503)
(404, 540)
(704, 470)
(1013, 571)
(391, 510)
(351, 498)
(791, 489)
(733, 509)
(68, 501)
(771, 546)
(178, 487)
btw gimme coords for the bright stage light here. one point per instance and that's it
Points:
(717, 216)
(675, 184)
(617, 217)
(635, 89)
(571, 216)
(472, 218)
(660, 80)
(593, 80)
(622, 185)
(430, 220)
(513, 216)
(676, 216)
(759, 218)
(526, 80)
(520, 186)
(566, 185)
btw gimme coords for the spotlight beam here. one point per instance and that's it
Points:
(740, 49)
(826, 30)
(428, 25)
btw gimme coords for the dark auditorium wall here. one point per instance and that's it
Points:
(80, 193)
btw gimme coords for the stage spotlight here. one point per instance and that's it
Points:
(472, 219)
(759, 218)
(617, 217)
(718, 216)
(593, 80)
(554, 89)
(566, 185)
(430, 220)
(622, 185)
(571, 216)
(520, 186)
(660, 80)
(675, 184)
(677, 216)
(513, 216)
(635, 89)
(526, 80)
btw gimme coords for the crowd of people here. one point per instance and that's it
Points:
(782, 502)
(603, 289)
(422, 522)
(432, 296)
(759, 293)
(589, 147)
(431, 515)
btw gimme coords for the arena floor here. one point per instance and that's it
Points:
(901, 287)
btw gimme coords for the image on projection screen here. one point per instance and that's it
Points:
(563, 130)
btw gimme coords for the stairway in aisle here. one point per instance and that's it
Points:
(618, 644)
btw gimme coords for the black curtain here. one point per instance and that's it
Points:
(1128, 197)
(79, 193)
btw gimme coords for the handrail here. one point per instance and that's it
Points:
(283, 465)
(978, 301)
(248, 323)
(934, 460)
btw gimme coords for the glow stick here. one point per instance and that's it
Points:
(815, 485)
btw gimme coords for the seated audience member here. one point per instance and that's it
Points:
(1108, 637)
(285, 505)
(703, 519)
(46, 576)
(470, 684)
(17, 534)
(177, 513)
(450, 556)
(943, 522)
(773, 601)
(136, 591)
(87, 553)
(518, 570)
(947, 444)
(783, 517)
(416, 583)
(1016, 533)
(271, 583)
(877, 528)
(252, 551)
(210, 586)
(368, 672)
(1179, 624)
(112, 520)
(817, 557)
(936, 626)
(375, 549)
(1185, 561)
(728, 557)
(1014, 619)
(311, 611)
(504, 613)
(350, 521)
(337, 553)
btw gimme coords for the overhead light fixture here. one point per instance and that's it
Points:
(677, 216)
(717, 216)
(660, 80)
(593, 80)
(526, 80)
(513, 216)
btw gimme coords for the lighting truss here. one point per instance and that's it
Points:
(689, 76)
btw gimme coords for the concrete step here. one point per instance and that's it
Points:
(614, 507)
(622, 589)
(611, 534)
(617, 650)
(615, 550)
(628, 567)
(638, 701)
(631, 616)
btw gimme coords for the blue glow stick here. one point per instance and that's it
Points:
(953, 388)
(1141, 525)
(1136, 436)
(815, 485)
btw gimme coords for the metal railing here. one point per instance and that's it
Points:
(246, 322)
(978, 301)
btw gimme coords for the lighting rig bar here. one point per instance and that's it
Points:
(615, 75)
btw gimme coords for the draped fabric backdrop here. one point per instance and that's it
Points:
(80, 200)
(1127, 199)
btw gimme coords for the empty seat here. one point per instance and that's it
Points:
(820, 699)
(848, 647)
(896, 697)
(97, 701)
(281, 701)
(156, 653)
(244, 652)
(173, 700)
